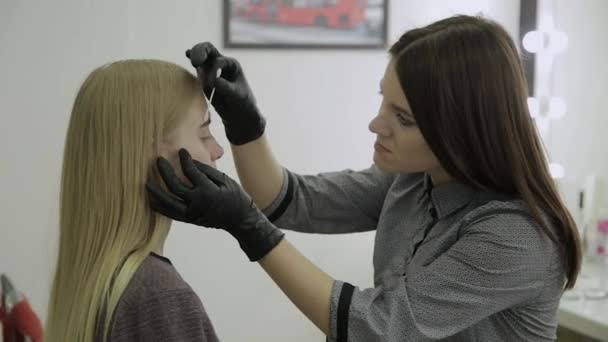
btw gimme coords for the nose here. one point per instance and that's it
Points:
(216, 151)
(379, 127)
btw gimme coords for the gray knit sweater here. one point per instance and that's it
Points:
(158, 305)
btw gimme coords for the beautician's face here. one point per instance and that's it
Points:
(194, 135)
(400, 146)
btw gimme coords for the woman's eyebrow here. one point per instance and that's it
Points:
(401, 110)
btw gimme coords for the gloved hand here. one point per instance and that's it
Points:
(233, 99)
(214, 200)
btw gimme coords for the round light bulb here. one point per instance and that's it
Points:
(557, 170)
(557, 108)
(533, 41)
(533, 107)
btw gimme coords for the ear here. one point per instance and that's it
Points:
(164, 150)
(170, 151)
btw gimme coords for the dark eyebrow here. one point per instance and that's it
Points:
(401, 110)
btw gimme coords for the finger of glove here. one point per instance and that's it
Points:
(207, 83)
(230, 67)
(213, 174)
(226, 90)
(165, 204)
(202, 54)
(210, 75)
(173, 182)
(193, 173)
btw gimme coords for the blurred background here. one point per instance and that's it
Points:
(306, 22)
(318, 103)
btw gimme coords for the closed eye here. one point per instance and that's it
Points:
(404, 120)
(405, 116)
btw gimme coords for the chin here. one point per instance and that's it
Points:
(382, 164)
(388, 167)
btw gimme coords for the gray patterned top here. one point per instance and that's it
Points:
(450, 263)
(158, 305)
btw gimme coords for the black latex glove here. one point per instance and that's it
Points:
(233, 99)
(214, 200)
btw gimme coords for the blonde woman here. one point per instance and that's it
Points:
(112, 282)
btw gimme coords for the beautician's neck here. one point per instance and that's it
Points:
(439, 176)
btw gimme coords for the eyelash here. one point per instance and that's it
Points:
(404, 121)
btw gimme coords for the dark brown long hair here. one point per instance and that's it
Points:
(467, 90)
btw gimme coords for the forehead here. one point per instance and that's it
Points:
(389, 79)
(198, 108)
(391, 86)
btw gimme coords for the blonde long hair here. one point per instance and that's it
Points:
(122, 114)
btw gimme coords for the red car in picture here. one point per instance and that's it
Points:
(324, 13)
(254, 10)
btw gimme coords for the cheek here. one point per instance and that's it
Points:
(199, 151)
(196, 150)
(413, 153)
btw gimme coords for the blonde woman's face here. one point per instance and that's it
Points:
(193, 134)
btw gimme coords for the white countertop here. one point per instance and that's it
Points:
(585, 315)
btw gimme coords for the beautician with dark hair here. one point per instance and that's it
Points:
(473, 242)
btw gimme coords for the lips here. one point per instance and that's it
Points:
(380, 148)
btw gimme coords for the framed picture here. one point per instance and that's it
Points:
(316, 24)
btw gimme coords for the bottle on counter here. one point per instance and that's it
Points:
(602, 239)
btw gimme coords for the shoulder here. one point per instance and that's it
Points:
(484, 207)
(509, 222)
(157, 282)
(158, 304)
(156, 273)
(501, 215)
(500, 212)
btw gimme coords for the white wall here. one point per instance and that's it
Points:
(578, 140)
(317, 120)
(46, 50)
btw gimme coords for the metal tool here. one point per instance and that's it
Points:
(218, 73)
